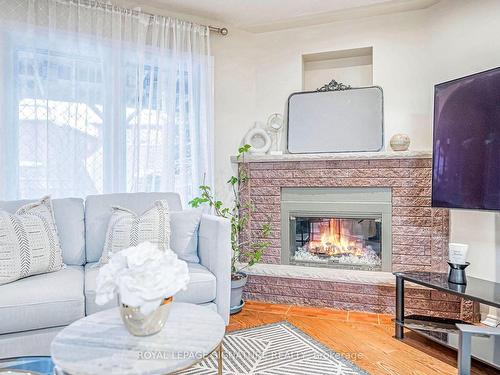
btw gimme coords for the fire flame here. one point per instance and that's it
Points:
(335, 239)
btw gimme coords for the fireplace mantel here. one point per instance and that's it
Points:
(381, 155)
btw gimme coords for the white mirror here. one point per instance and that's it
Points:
(347, 120)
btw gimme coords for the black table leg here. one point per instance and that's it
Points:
(400, 307)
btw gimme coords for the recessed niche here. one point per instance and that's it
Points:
(350, 66)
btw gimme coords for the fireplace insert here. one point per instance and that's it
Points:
(347, 228)
(342, 242)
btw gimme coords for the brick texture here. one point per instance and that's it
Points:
(347, 296)
(419, 232)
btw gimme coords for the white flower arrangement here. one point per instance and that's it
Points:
(143, 276)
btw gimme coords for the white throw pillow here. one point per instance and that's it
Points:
(126, 228)
(29, 243)
(184, 238)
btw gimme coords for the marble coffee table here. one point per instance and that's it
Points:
(100, 343)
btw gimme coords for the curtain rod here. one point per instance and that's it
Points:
(219, 30)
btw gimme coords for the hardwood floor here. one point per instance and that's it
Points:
(363, 338)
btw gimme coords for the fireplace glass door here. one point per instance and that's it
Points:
(341, 242)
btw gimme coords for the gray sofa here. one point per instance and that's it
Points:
(34, 309)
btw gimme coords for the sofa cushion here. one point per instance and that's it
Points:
(184, 233)
(98, 212)
(68, 213)
(127, 228)
(91, 271)
(42, 301)
(201, 288)
(29, 243)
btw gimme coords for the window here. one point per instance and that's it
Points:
(90, 116)
(60, 124)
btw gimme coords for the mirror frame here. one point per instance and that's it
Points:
(335, 86)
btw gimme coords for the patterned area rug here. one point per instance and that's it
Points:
(275, 349)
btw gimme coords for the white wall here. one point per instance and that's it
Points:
(481, 230)
(235, 87)
(466, 40)
(412, 51)
(358, 71)
(399, 66)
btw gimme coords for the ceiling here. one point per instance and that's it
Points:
(269, 15)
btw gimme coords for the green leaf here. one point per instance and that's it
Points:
(245, 148)
(266, 230)
(196, 202)
(233, 180)
(242, 150)
(238, 213)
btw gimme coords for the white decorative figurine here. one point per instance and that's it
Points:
(258, 139)
(275, 124)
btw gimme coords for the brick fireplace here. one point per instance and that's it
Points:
(419, 233)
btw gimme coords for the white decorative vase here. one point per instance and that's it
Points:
(400, 142)
(260, 141)
(139, 324)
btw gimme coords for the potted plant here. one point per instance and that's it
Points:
(247, 251)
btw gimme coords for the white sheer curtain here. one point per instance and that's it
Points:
(96, 99)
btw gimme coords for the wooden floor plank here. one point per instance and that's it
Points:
(315, 312)
(363, 338)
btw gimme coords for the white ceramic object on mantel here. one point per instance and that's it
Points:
(400, 142)
(259, 139)
(275, 126)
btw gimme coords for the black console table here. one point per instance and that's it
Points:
(443, 331)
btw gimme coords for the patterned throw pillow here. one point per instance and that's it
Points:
(29, 243)
(126, 228)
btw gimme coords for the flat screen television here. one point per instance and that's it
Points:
(466, 152)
